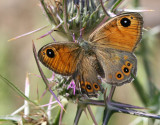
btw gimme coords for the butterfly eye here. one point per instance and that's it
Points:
(125, 22)
(50, 53)
(128, 64)
(96, 86)
(125, 70)
(119, 76)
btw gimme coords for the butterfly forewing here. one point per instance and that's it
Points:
(62, 58)
(122, 32)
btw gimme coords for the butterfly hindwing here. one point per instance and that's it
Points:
(118, 65)
(87, 75)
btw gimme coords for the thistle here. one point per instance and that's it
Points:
(75, 19)
(71, 17)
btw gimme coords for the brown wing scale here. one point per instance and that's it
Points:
(117, 65)
(61, 58)
(87, 75)
(122, 32)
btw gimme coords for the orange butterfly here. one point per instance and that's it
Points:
(107, 53)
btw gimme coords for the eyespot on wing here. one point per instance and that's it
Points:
(62, 58)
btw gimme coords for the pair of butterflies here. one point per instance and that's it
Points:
(108, 54)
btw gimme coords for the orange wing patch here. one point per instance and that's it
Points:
(125, 57)
(60, 58)
(125, 70)
(123, 32)
(90, 87)
(128, 64)
(96, 86)
(119, 75)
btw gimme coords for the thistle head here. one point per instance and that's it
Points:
(70, 16)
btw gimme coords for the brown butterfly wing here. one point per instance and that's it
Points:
(71, 59)
(122, 32)
(114, 44)
(62, 58)
(118, 65)
(87, 75)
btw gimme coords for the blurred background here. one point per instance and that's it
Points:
(21, 16)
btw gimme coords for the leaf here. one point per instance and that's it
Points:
(16, 89)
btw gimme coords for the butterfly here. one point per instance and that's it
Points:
(107, 54)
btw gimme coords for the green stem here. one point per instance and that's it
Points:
(151, 87)
(91, 114)
(140, 90)
(107, 115)
(78, 114)
(118, 2)
(65, 16)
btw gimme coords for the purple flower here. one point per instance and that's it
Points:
(73, 86)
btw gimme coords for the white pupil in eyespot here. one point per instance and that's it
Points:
(125, 21)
